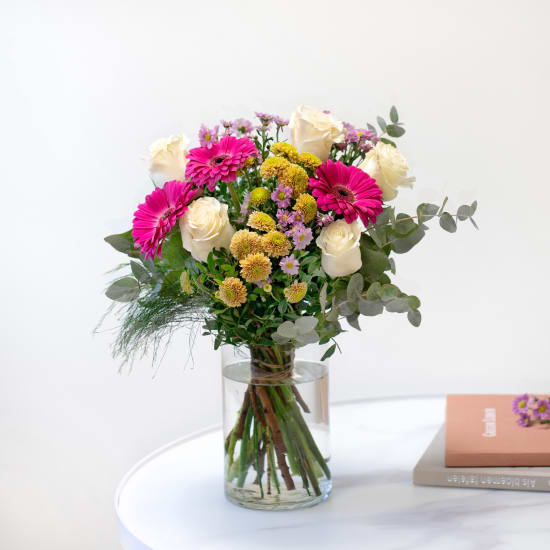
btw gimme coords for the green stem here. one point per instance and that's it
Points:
(234, 197)
(243, 459)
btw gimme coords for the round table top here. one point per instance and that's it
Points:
(173, 499)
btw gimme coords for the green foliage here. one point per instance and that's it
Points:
(123, 290)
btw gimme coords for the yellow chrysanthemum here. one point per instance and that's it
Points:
(275, 244)
(295, 177)
(259, 196)
(282, 149)
(245, 242)
(267, 288)
(255, 267)
(273, 167)
(261, 221)
(309, 160)
(185, 283)
(295, 292)
(232, 292)
(306, 205)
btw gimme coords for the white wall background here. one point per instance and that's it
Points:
(88, 85)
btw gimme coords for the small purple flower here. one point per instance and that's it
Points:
(542, 410)
(326, 111)
(301, 237)
(282, 195)
(242, 127)
(265, 119)
(324, 219)
(244, 205)
(364, 146)
(280, 121)
(521, 404)
(227, 125)
(297, 218)
(524, 420)
(364, 134)
(290, 265)
(261, 284)
(352, 136)
(208, 136)
(284, 218)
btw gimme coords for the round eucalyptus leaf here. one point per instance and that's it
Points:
(123, 290)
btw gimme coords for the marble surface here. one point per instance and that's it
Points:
(173, 499)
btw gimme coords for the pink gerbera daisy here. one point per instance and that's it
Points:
(158, 214)
(347, 190)
(221, 161)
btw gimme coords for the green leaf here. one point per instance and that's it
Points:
(353, 321)
(372, 128)
(473, 206)
(415, 317)
(287, 329)
(346, 308)
(392, 265)
(123, 290)
(398, 305)
(474, 223)
(123, 242)
(374, 291)
(282, 306)
(388, 141)
(374, 262)
(394, 117)
(140, 273)
(305, 339)
(329, 353)
(426, 211)
(464, 212)
(447, 222)
(173, 252)
(403, 224)
(394, 130)
(414, 302)
(381, 123)
(370, 307)
(305, 324)
(404, 244)
(355, 287)
(389, 292)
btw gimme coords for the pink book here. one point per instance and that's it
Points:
(482, 431)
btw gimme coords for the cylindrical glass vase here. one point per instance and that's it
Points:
(276, 428)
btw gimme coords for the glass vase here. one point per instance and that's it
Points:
(276, 427)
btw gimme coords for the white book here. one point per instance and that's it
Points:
(431, 470)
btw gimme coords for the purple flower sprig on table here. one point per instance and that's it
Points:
(531, 410)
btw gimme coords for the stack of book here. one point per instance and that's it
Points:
(482, 446)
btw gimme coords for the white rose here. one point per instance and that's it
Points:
(339, 244)
(167, 159)
(313, 131)
(205, 226)
(388, 167)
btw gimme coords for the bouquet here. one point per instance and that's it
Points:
(269, 244)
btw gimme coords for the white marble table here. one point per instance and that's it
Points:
(173, 499)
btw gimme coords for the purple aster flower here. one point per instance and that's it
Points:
(352, 136)
(280, 121)
(282, 195)
(290, 265)
(284, 217)
(297, 218)
(364, 146)
(227, 125)
(326, 111)
(242, 127)
(301, 237)
(364, 134)
(542, 410)
(208, 136)
(265, 119)
(524, 420)
(324, 219)
(244, 205)
(261, 284)
(521, 404)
